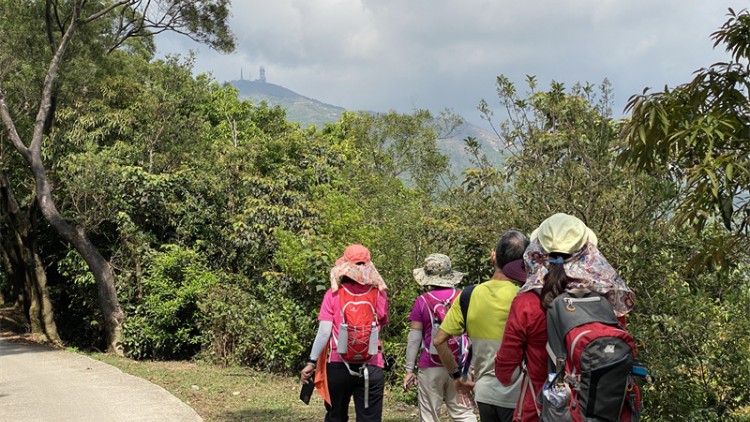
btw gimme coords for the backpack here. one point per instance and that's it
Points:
(463, 303)
(591, 363)
(357, 341)
(437, 309)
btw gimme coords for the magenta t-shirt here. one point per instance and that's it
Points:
(420, 313)
(330, 310)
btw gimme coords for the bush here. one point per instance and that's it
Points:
(258, 323)
(165, 325)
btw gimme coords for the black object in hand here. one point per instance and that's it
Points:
(306, 392)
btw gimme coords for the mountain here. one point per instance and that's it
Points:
(309, 111)
(306, 111)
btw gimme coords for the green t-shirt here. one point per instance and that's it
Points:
(488, 311)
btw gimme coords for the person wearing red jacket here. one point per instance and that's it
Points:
(525, 339)
(550, 271)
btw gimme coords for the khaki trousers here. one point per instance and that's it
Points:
(434, 387)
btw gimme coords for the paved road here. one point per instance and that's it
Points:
(39, 384)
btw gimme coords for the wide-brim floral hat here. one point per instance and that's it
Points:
(586, 267)
(356, 265)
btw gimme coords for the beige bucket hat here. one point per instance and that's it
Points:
(437, 272)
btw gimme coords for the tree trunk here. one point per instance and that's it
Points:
(46, 311)
(99, 266)
(27, 261)
(16, 285)
(20, 281)
(34, 309)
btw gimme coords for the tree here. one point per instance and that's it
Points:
(121, 21)
(402, 145)
(23, 264)
(561, 145)
(698, 134)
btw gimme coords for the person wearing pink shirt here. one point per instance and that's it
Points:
(338, 381)
(434, 384)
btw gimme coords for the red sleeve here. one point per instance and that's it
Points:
(510, 354)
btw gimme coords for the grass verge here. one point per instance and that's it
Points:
(240, 394)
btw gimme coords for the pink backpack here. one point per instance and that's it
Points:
(437, 309)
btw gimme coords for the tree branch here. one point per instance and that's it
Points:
(48, 23)
(49, 79)
(11, 127)
(103, 12)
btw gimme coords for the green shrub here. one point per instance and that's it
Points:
(77, 314)
(165, 324)
(231, 335)
(260, 323)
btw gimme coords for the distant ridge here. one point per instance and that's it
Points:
(299, 108)
(309, 111)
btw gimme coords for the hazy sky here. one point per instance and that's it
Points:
(382, 55)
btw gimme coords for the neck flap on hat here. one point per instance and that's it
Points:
(587, 268)
(363, 273)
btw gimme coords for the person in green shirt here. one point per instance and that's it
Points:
(485, 323)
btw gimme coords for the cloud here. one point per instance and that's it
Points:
(394, 54)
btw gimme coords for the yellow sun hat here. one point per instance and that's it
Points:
(563, 233)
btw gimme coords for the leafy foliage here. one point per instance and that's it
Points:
(697, 133)
(563, 149)
(166, 324)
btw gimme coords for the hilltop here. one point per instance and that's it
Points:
(309, 111)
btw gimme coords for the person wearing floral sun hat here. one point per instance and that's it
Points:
(434, 385)
(562, 255)
(336, 380)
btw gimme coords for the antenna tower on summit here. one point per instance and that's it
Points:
(262, 74)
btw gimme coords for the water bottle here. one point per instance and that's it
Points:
(343, 343)
(435, 329)
(372, 347)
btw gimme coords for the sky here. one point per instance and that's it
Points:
(402, 55)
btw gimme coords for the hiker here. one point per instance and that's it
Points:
(346, 356)
(434, 386)
(562, 256)
(483, 319)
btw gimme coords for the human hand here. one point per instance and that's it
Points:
(306, 373)
(464, 391)
(409, 379)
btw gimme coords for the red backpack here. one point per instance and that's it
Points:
(358, 333)
(593, 358)
(437, 309)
